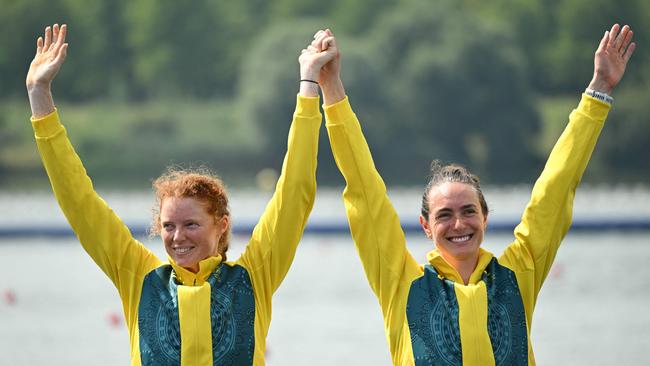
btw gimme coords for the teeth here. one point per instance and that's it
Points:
(459, 239)
(182, 250)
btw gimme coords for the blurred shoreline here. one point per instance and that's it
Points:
(597, 208)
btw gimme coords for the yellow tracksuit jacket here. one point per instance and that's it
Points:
(430, 316)
(219, 315)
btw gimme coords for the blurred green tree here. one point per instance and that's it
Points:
(189, 48)
(457, 89)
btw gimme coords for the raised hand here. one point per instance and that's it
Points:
(613, 53)
(50, 54)
(320, 59)
(320, 62)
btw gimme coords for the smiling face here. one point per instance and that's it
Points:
(456, 222)
(189, 232)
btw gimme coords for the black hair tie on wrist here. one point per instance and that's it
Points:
(309, 81)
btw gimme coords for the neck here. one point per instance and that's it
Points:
(465, 267)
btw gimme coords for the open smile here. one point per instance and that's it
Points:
(182, 250)
(460, 239)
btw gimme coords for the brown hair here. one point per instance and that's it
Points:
(198, 183)
(448, 173)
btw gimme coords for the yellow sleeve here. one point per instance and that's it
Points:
(548, 215)
(275, 238)
(374, 223)
(101, 233)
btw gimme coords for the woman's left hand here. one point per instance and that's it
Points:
(613, 53)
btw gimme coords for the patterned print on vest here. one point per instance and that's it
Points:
(432, 314)
(506, 316)
(232, 314)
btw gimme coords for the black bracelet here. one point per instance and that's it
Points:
(309, 81)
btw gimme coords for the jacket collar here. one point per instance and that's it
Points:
(447, 271)
(189, 278)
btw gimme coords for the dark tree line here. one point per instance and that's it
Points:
(456, 80)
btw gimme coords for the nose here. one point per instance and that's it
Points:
(179, 235)
(459, 222)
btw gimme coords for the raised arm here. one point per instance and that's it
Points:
(611, 58)
(275, 238)
(51, 51)
(100, 231)
(374, 223)
(548, 216)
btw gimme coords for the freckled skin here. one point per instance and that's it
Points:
(189, 233)
(456, 224)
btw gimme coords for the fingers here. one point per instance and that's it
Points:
(613, 33)
(603, 42)
(629, 51)
(60, 38)
(39, 45)
(55, 33)
(626, 40)
(54, 39)
(318, 33)
(623, 43)
(63, 51)
(328, 42)
(320, 39)
(48, 38)
(619, 38)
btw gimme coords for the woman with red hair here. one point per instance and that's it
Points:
(196, 308)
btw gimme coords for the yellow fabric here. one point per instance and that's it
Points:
(472, 320)
(189, 278)
(549, 212)
(391, 269)
(126, 261)
(195, 324)
(449, 272)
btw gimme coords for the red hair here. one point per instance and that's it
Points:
(197, 183)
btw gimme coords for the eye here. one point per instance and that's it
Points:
(443, 216)
(168, 227)
(469, 212)
(192, 225)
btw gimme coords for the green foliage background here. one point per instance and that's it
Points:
(148, 83)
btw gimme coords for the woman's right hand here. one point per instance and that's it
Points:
(50, 54)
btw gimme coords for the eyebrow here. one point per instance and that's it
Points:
(464, 207)
(183, 222)
(470, 205)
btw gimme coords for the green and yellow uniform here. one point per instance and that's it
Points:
(221, 314)
(430, 316)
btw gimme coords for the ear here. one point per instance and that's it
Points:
(425, 226)
(485, 222)
(223, 223)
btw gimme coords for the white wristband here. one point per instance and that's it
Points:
(599, 95)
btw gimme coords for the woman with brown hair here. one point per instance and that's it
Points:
(464, 305)
(197, 308)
